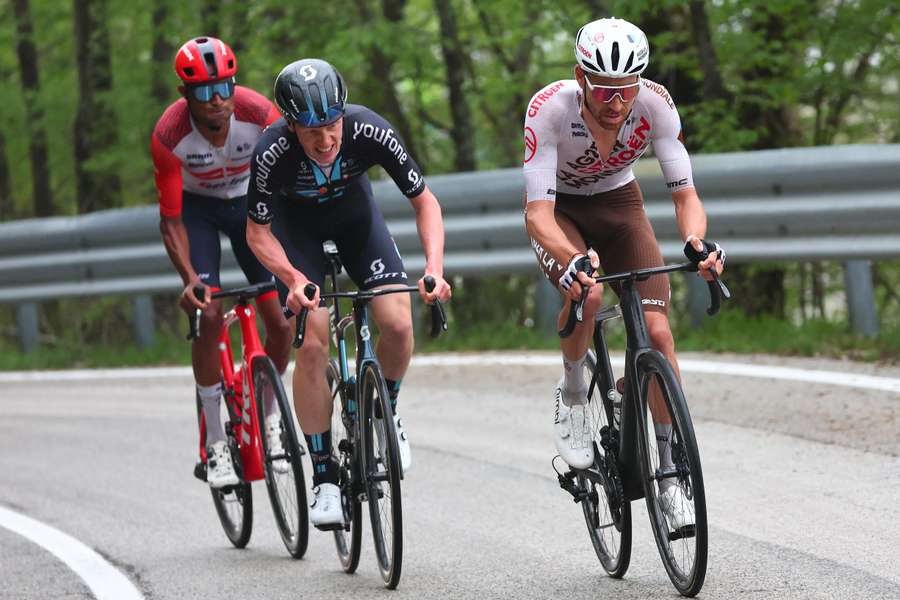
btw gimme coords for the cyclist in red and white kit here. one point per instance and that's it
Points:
(584, 208)
(202, 147)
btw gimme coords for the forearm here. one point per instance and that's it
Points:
(540, 222)
(430, 225)
(271, 254)
(175, 239)
(689, 213)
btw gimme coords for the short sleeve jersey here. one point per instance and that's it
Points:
(185, 161)
(561, 156)
(281, 169)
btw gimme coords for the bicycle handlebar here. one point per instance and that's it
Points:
(309, 290)
(244, 293)
(438, 316)
(194, 320)
(717, 291)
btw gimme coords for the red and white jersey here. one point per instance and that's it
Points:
(184, 160)
(560, 154)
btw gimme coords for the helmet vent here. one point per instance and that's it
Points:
(615, 56)
(600, 61)
(637, 69)
(210, 60)
(630, 60)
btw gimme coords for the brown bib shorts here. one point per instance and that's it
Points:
(615, 225)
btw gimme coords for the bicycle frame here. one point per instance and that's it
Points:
(237, 390)
(637, 343)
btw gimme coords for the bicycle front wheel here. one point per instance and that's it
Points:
(348, 541)
(283, 453)
(673, 479)
(234, 504)
(381, 465)
(606, 512)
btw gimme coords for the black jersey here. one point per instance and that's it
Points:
(281, 169)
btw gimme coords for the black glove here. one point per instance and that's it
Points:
(698, 256)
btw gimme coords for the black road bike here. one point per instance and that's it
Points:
(365, 442)
(627, 448)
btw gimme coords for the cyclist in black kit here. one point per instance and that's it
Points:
(308, 184)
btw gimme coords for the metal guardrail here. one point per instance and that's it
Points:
(839, 202)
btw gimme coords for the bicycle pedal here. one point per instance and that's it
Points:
(200, 471)
(330, 527)
(688, 531)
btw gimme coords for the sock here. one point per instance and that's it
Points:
(210, 396)
(664, 445)
(324, 469)
(393, 386)
(574, 385)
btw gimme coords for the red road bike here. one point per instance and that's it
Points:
(253, 392)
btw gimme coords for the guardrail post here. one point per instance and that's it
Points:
(697, 298)
(547, 303)
(142, 313)
(27, 321)
(861, 297)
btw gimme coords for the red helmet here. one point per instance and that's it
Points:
(205, 59)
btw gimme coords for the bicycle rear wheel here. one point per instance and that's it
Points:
(676, 501)
(283, 467)
(381, 465)
(234, 504)
(348, 541)
(606, 512)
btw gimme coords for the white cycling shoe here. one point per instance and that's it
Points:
(273, 442)
(402, 442)
(326, 506)
(572, 429)
(219, 466)
(678, 509)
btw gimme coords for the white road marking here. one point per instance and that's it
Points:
(105, 581)
(872, 382)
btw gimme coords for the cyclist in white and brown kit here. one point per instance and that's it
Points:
(584, 209)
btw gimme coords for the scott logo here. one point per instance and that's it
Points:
(308, 73)
(261, 209)
(377, 267)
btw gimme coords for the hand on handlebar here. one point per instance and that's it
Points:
(441, 290)
(708, 256)
(189, 300)
(297, 300)
(578, 274)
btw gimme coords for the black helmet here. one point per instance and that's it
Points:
(310, 92)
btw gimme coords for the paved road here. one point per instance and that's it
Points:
(803, 482)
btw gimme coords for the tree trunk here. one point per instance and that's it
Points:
(211, 18)
(97, 185)
(31, 87)
(461, 131)
(6, 207)
(713, 86)
(162, 83)
(382, 69)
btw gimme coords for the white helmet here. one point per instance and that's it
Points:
(612, 48)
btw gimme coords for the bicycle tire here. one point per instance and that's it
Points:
(607, 514)
(286, 487)
(233, 504)
(348, 542)
(382, 472)
(691, 541)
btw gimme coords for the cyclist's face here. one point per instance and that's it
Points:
(213, 114)
(321, 144)
(610, 115)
